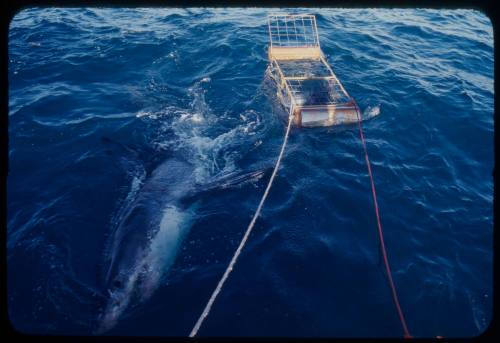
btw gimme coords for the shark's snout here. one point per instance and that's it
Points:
(112, 310)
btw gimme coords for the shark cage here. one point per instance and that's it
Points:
(306, 84)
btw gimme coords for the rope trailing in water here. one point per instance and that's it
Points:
(217, 290)
(381, 234)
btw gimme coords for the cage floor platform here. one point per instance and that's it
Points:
(306, 83)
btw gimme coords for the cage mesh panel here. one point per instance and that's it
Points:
(293, 31)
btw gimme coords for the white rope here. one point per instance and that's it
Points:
(208, 307)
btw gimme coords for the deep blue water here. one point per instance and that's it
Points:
(99, 97)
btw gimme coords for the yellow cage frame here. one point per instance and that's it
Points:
(293, 40)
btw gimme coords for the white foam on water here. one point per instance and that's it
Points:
(371, 112)
(143, 113)
(193, 127)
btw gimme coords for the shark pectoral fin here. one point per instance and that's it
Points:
(222, 182)
(236, 179)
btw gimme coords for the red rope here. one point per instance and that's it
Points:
(380, 232)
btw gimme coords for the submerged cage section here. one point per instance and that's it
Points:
(307, 85)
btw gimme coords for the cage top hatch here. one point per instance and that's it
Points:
(306, 84)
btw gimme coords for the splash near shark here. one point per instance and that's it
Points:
(158, 212)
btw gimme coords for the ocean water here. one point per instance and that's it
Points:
(99, 98)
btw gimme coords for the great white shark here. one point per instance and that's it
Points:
(149, 233)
